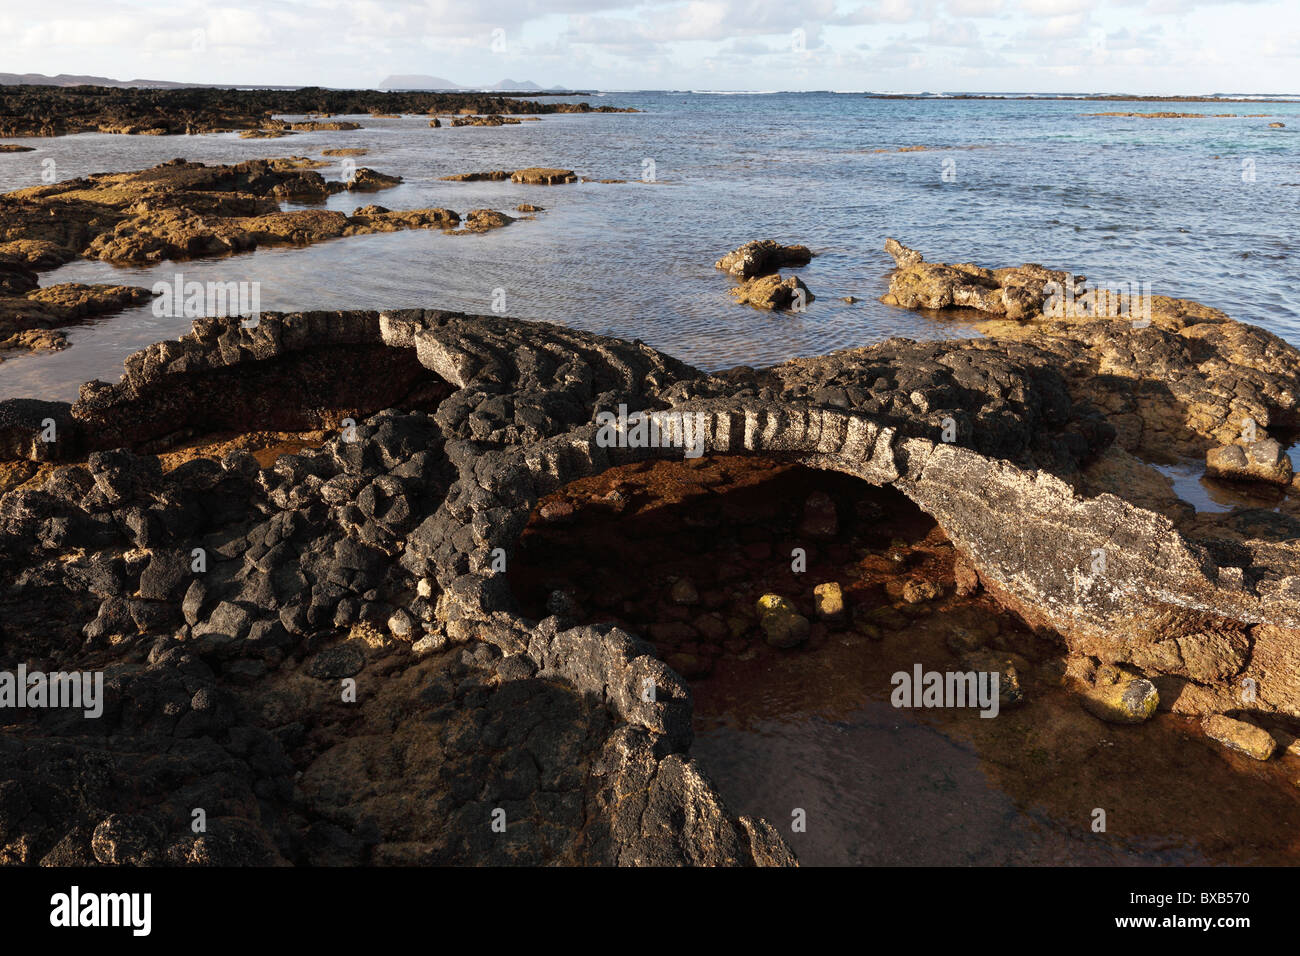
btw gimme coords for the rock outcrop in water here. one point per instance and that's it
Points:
(533, 175)
(762, 257)
(378, 557)
(755, 265)
(1017, 293)
(773, 293)
(175, 211)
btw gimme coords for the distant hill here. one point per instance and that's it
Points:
(67, 79)
(418, 81)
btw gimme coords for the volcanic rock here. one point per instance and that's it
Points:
(761, 257)
(772, 292)
(1263, 460)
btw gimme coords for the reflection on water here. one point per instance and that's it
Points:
(636, 259)
(880, 789)
(1212, 495)
(814, 731)
(1216, 496)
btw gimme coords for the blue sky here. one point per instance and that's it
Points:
(1147, 46)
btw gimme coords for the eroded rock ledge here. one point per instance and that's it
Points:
(374, 557)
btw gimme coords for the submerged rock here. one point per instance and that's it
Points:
(543, 176)
(493, 119)
(312, 126)
(782, 625)
(1239, 735)
(1128, 701)
(177, 211)
(366, 179)
(533, 175)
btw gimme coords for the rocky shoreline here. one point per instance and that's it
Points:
(175, 211)
(61, 111)
(364, 480)
(316, 558)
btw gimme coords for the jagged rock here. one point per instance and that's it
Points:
(773, 293)
(1017, 293)
(366, 179)
(462, 425)
(762, 257)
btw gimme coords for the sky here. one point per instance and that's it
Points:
(1052, 46)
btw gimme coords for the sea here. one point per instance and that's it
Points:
(1198, 208)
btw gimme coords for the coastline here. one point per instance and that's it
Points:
(353, 478)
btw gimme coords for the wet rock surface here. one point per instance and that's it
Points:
(774, 293)
(761, 257)
(533, 175)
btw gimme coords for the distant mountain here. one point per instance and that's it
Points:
(419, 81)
(66, 79)
(522, 86)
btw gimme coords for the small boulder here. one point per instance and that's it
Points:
(1125, 702)
(774, 293)
(683, 591)
(782, 625)
(1265, 460)
(367, 180)
(919, 590)
(1238, 735)
(829, 600)
(761, 257)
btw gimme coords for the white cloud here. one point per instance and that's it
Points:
(1149, 45)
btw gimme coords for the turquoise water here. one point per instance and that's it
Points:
(1201, 208)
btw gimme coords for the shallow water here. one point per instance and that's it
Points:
(1118, 199)
(813, 731)
(810, 735)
